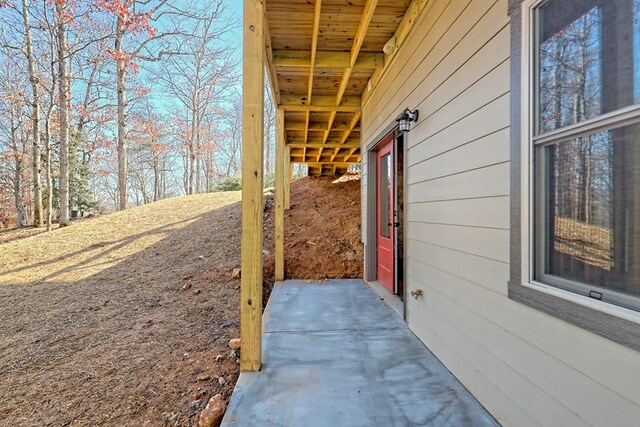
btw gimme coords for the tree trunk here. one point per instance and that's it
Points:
(63, 108)
(17, 176)
(17, 193)
(35, 119)
(156, 179)
(192, 151)
(47, 152)
(122, 115)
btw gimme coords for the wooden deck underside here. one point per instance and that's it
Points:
(323, 58)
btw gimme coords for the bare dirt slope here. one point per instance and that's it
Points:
(96, 328)
(124, 320)
(323, 229)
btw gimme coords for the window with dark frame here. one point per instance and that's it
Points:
(586, 145)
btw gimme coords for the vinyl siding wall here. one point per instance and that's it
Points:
(526, 367)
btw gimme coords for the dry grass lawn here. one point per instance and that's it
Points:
(97, 327)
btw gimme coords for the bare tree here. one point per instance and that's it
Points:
(35, 120)
(64, 96)
(199, 79)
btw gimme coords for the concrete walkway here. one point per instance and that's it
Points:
(336, 355)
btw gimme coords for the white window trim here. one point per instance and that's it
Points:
(527, 181)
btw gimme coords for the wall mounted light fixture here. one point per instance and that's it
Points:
(405, 118)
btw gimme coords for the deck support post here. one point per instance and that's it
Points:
(288, 168)
(280, 194)
(252, 186)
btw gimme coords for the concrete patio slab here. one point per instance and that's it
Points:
(336, 355)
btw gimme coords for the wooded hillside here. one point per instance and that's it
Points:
(110, 103)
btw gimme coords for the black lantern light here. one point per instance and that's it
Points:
(405, 118)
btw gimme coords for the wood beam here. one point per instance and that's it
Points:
(363, 26)
(320, 100)
(321, 145)
(252, 182)
(409, 20)
(327, 59)
(318, 127)
(312, 61)
(288, 168)
(280, 184)
(269, 65)
(322, 108)
(347, 133)
(316, 164)
(352, 125)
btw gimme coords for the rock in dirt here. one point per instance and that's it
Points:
(236, 273)
(186, 286)
(196, 292)
(213, 413)
(204, 378)
(234, 344)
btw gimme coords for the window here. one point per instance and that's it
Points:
(585, 132)
(385, 195)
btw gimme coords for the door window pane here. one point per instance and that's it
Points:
(385, 195)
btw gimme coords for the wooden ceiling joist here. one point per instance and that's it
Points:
(322, 108)
(312, 61)
(319, 127)
(326, 59)
(363, 26)
(347, 133)
(409, 20)
(269, 64)
(324, 100)
(322, 145)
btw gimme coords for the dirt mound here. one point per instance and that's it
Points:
(323, 229)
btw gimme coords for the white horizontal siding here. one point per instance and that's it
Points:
(526, 367)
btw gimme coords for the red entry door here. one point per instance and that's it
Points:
(385, 186)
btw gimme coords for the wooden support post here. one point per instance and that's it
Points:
(252, 182)
(280, 184)
(288, 168)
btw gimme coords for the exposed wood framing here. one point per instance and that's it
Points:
(321, 145)
(280, 189)
(322, 108)
(318, 127)
(312, 61)
(288, 168)
(409, 20)
(269, 63)
(326, 59)
(318, 101)
(252, 182)
(324, 56)
(347, 133)
(363, 26)
(315, 164)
